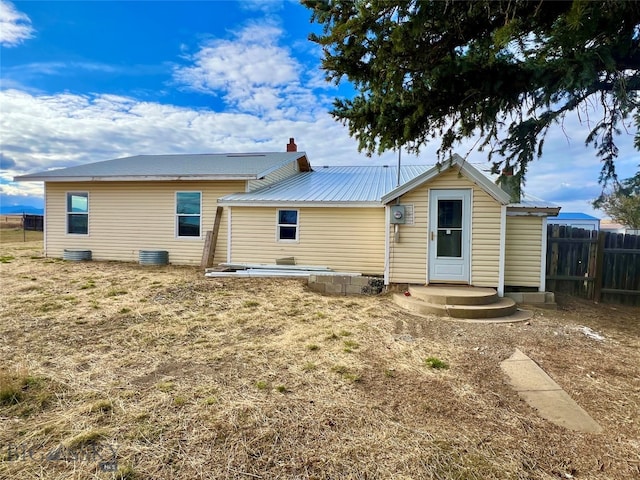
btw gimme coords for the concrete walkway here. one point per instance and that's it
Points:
(540, 391)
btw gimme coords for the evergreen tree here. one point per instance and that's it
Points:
(505, 70)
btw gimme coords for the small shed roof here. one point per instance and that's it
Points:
(330, 185)
(575, 216)
(529, 204)
(208, 166)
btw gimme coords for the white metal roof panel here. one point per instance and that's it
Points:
(163, 167)
(339, 184)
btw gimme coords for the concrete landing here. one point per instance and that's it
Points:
(540, 391)
(462, 303)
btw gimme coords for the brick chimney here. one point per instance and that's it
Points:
(508, 183)
(291, 146)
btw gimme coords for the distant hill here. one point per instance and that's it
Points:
(18, 209)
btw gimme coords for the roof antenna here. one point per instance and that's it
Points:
(399, 161)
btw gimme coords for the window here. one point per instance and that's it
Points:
(287, 225)
(188, 214)
(78, 213)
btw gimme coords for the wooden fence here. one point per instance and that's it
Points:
(602, 266)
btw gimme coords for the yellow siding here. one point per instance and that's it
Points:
(280, 174)
(125, 217)
(409, 256)
(345, 239)
(523, 252)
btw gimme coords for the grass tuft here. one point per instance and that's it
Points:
(89, 437)
(436, 363)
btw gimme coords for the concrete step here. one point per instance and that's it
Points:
(499, 308)
(454, 295)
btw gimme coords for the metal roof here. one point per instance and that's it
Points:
(575, 216)
(531, 204)
(208, 166)
(464, 167)
(331, 185)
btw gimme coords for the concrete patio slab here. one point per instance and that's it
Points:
(541, 392)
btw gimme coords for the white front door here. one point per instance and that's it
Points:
(449, 236)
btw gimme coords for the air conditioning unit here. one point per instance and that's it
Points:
(398, 215)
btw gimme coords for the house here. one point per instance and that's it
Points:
(615, 227)
(441, 224)
(576, 220)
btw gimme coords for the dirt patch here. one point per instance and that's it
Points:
(190, 378)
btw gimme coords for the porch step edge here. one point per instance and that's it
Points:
(455, 295)
(502, 307)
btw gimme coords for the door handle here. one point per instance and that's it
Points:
(432, 236)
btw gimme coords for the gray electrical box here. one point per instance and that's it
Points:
(398, 214)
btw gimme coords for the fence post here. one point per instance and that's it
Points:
(599, 273)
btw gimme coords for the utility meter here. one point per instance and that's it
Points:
(397, 214)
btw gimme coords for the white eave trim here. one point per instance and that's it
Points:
(136, 178)
(516, 211)
(465, 168)
(298, 204)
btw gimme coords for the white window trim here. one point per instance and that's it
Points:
(278, 225)
(178, 215)
(67, 212)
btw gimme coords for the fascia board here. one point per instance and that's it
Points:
(533, 211)
(133, 178)
(285, 204)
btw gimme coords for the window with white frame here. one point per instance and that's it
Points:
(287, 225)
(188, 217)
(78, 213)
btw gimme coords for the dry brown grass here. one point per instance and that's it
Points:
(196, 378)
(11, 230)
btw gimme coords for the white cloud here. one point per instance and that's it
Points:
(253, 73)
(15, 26)
(264, 6)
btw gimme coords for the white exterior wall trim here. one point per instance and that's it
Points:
(387, 249)
(471, 237)
(503, 246)
(229, 228)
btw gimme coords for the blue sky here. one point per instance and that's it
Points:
(87, 81)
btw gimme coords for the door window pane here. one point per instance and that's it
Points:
(449, 243)
(449, 213)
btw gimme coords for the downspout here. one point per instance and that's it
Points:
(503, 243)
